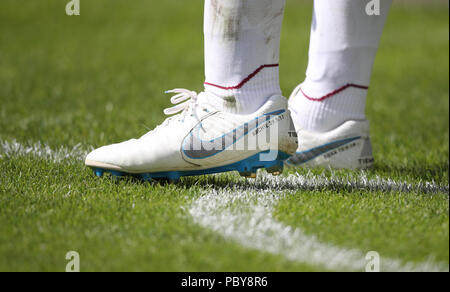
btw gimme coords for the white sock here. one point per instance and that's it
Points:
(343, 45)
(242, 43)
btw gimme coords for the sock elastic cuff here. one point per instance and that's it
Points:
(251, 93)
(324, 112)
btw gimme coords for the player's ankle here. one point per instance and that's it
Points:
(250, 93)
(323, 108)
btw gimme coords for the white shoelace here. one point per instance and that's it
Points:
(181, 95)
(185, 101)
(190, 103)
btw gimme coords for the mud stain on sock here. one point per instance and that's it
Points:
(229, 101)
(230, 18)
(227, 19)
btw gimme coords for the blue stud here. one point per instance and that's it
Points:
(98, 172)
(174, 176)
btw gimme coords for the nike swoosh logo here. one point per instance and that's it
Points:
(196, 148)
(302, 157)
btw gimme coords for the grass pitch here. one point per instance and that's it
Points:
(71, 83)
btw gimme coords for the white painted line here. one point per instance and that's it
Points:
(40, 150)
(359, 181)
(244, 215)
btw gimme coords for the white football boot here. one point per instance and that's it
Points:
(347, 146)
(203, 139)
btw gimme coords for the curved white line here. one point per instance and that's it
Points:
(244, 215)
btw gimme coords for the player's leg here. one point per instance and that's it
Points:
(222, 128)
(242, 40)
(328, 108)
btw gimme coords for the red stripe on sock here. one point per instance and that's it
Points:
(247, 79)
(334, 92)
